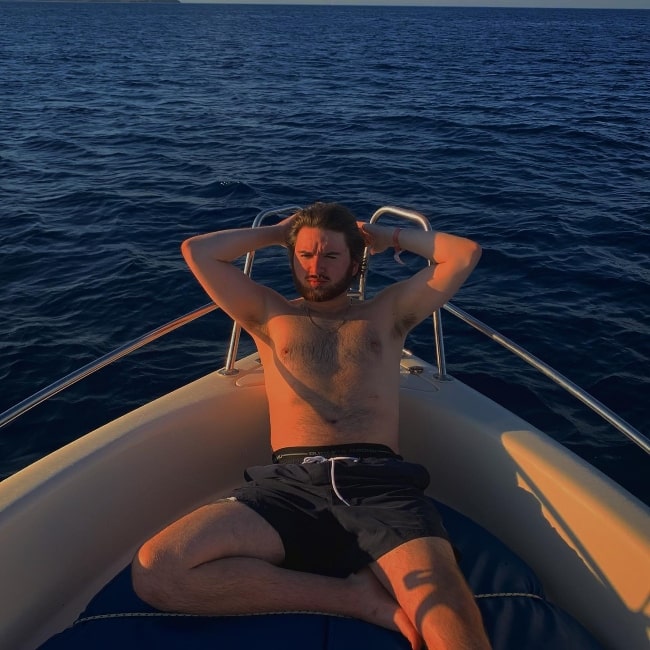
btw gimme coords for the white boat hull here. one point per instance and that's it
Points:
(71, 521)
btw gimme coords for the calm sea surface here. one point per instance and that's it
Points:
(125, 128)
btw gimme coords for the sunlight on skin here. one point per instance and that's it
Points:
(322, 267)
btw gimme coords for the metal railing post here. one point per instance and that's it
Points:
(231, 356)
(438, 337)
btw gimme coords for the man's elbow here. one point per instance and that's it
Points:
(188, 249)
(473, 253)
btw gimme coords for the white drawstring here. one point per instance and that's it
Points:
(323, 459)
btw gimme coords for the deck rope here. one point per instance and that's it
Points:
(100, 617)
(512, 594)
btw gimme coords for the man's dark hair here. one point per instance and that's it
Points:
(329, 216)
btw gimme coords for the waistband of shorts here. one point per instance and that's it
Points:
(358, 450)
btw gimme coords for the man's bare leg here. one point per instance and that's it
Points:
(425, 579)
(222, 559)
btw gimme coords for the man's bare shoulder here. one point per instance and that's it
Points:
(280, 315)
(386, 311)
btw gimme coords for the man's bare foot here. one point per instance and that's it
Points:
(379, 607)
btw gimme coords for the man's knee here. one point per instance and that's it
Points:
(154, 575)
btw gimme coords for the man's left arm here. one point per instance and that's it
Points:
(453, 259)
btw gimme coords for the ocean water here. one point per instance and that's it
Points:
(125, 128)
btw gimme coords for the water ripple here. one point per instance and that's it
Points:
(526, 129)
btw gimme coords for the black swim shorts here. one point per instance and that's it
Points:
(339, 508)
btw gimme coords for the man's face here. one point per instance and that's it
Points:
(322, 267)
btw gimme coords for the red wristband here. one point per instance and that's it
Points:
(396, 245)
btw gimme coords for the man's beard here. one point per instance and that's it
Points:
(323, 293)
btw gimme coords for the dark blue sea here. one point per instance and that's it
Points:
(125, 128)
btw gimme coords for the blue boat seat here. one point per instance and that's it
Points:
(516, 614)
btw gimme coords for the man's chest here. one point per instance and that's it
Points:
(327, 347)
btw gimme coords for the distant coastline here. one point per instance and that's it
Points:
(102, 1)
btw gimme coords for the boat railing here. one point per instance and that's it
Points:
(600, 409)
(359, 293)
(231, 356)
(423, 222)
(106, 360)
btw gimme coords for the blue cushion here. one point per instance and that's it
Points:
(272, 631)
(509, 595)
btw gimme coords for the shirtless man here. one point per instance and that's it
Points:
(351, 533)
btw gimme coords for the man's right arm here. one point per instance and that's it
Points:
(210, 258)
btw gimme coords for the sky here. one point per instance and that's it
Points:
(566, 4)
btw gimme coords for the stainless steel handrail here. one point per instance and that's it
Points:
(573, 389)
(600, 409)
(438, 339)
(231, 357)
(65, 382)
